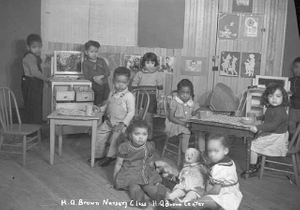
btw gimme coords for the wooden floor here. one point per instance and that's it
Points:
(41, 186)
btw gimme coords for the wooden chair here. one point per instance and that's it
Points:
(7, 104)
(142, 101)
(168, 143)
(293, 151)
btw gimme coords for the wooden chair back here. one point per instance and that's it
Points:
(8, 104)
(142, 101)
(167, 99)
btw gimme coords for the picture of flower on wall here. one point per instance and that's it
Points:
(193, 66)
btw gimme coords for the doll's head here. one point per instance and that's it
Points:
(34, 44)
(192, 155)
(91, 49)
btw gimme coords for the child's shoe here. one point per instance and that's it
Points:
(253, 170)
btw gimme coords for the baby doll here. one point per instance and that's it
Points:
(192, 178)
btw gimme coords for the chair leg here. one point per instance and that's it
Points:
(295, 169)
(165, 147)
(1, 140)
(297, 161)
(262, 168)
(179, 151)
(39, 138)
(24, 149)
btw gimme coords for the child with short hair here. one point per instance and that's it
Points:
(119, 111)
(294, 111)
(273, 134)
(223, 190)
(149, 79)
(96, 70)
(134, 169)
(33, 80)
(182, 108)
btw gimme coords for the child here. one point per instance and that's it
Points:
(223, 191)
(134, 169)
(273, 134)
(150, 79)
(192, 178)
(294, 111)
(182, 108)
(119, 111)
(33, 81)
(96, 70)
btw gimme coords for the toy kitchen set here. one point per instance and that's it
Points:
(68, 87)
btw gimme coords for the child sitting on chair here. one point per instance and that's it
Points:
(192, 178)
(119, 111)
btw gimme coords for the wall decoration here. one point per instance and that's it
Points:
(228, 26)
(250, 64)
(230, 64)
(242, 6)
(251, 26)
(132, 62)
(112, 60)
(68, 62)
(193, 66)
(167, 64)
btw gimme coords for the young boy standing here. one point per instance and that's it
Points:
(96, 70)
(33, 81)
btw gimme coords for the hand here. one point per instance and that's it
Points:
(119, 127)
(253, 129)
(109, 186)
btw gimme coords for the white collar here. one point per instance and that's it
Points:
(189, 103)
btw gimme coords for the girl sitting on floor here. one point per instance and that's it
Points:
(134, 169)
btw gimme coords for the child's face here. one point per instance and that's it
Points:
(149, 64)
(216, 150)
(92, 53)
(139, 136)
(121, 83)
(296, 69)
(185, 94)
(191, 155)
(35, 48)
(276, 98)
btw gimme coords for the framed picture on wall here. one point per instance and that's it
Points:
(230, 64)
(132, 62)
(242, 6)
(251, 26)
(228, 26)
(193, 66)
(112, 60)
(264, 81)
(250, 64)
(167, 64)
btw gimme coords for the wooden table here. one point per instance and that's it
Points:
(61, 120)
(224, 126)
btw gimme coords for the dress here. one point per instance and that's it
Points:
(136, 169)
(273, 140)
(91, 69)
(224, 173)
(183, 111)
(192, 177)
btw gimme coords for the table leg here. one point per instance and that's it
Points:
(248, 141)
(93, 142)
(60, 130)
(52, 140)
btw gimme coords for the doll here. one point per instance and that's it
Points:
(192, 178)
